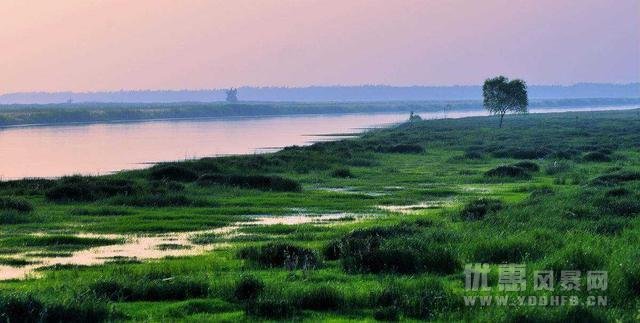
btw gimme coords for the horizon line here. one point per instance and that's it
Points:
(307, 87)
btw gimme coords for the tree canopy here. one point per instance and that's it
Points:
(232, 95)
(502, 95)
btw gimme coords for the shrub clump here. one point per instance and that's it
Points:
(432, 299)
(272, 307)
(578, 258)
(322, 298)
(14, 217)
(260, 182)
(247, 287)
(332, 250)
(27, 308)
(172, 173)
(557, 167)
(17, 205)
(401, 149)
(473, 154)
(280, 254)
(342, 173)
(387, 314)
(394, 250)
(616, 178)
(619, 202)
(522, 153)
(158, 200)
(596, 156)
(478, 209)
(150, 289)
(528, 166)
(508, 171)
(87, 189)
(509, 251)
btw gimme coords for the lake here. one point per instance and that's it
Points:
(92, 149)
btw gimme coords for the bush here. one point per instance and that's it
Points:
(626, 277)
(619, 205)
(528, 166)
(265, 183)
(473, 154)
(557, 167)
(431, 300)
(196, 306)
(332, 250)
(358, 244)
(158, 200)
(87, 189)
(522, 153)
(342, 173)
(403, 255)
(102, 211)
(248, 287)
(321, 299)
(608, 226)
(13, 204)
(564, 154)
(478, 209)
(26, 308)
(508, 171)
(362, 162)
(280, 254)
(387, 314)
(616, 178)
(14, 217)
(162, 187)
(27, 185)
(272, 307)
(391, 296)
(578, 258)
(596, 156)
(565, 314)
(401, 149)
(506, 251)
(385, 261)
(172, 173)
(617, 192)
(146, 289)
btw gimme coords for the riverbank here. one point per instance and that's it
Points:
(84, 113)
(401, 212)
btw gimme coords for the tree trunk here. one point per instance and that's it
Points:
(501, 117)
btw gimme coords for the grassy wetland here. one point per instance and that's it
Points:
(378, 227)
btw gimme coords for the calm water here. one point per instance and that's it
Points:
(53, 151)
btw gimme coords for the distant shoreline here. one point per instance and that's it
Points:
(15, 116)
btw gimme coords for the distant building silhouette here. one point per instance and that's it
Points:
(232, 95)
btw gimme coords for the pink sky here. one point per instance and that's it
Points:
(83, 45)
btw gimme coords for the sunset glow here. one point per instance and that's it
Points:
(112, 45)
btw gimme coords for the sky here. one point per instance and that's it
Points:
(83, 45)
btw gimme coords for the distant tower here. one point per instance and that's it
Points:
(232, 95)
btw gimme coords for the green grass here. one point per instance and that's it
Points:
(565, 208)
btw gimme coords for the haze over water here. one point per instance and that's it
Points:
(53, 151)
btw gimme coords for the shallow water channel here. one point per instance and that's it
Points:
(141, 247)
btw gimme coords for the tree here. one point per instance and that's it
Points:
(232, 95)
(502, 96)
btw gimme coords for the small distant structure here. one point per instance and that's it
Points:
(69, 101)
(445, 109)
(414, 117)
(232, 95)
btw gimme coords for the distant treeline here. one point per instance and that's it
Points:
(19, 114)
(326, 93)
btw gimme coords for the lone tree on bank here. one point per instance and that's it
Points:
(502, 96)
